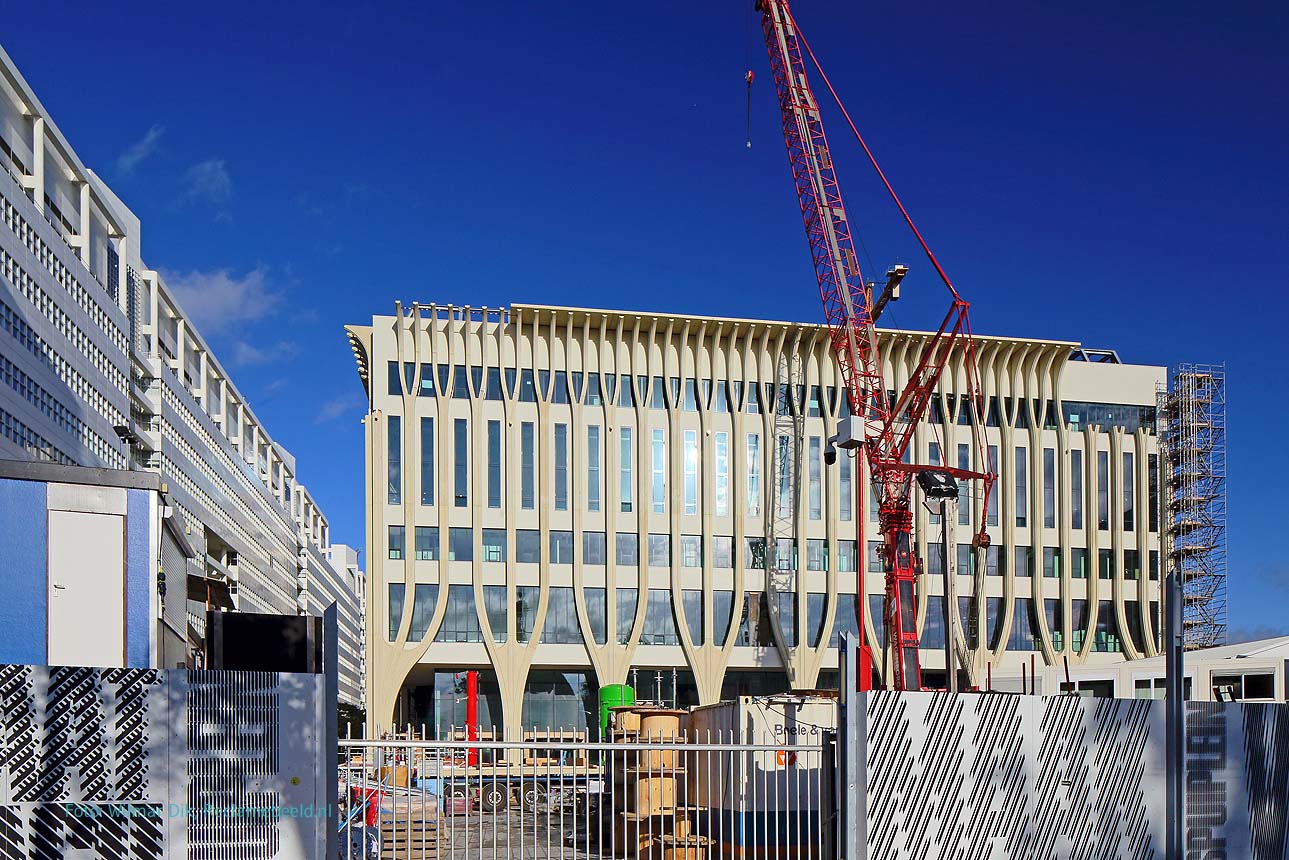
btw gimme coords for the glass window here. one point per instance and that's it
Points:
(596, 601)
(785, 553)
(753, 474)
(494, 386)
(593, 465)
(1078, 623)
(1130, 418)
(659, 472)
(1024, 561)
(847, 557)
(460, 544)
(1022, 634)
(627, 599)
(394, 429)
(816, 554)
(691, 471)
(1152, 481)
(815, 466)
(626, 392)
(1131, 564)
(560, 626)
(658, 397)
(1051, 561)
(395, 388)
(561, 547)
(397, 539)
(722, 614)
(593, 395)
(1022, 487)
(1103, 490)
(993, 498)
(722, 552)
(427, 543)
(627, 545)
(787, 602)
(527, 391)
(528, 546)
(427, 461)
(1079, 562)
(1107, 632)
(754, 549)
(847, 487)
(847, 619)
(692, 602)
(426, 595)
(933, 628)
(660, 621)
(1129, 492)
(1055, 623)
(396, 592)
(1076, 489)
(691, 550)
(526, 600)
(593, 548)
(494, 545)
(786, 467)
(691, 396)
(995, 565)
(659, 550)
(527, 484)
(460, 620)
(935, 559)
(460, 383)
(624, 470)
(494, 464)
(461, 462)
(561, 467)
(1049, 488)
(964, 487)
(1105, 564)
(494, 603)
(722, 473)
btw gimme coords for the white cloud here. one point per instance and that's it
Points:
(339, 406)
(208, 181)
(217, 299)
(246, 354)
(136, 152)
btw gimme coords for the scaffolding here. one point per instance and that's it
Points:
(1192, 440)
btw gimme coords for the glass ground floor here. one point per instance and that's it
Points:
(434, 699)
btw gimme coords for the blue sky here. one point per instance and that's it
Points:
(1113, 174)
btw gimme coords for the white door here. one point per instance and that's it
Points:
(86, 589)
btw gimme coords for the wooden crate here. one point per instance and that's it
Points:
(653, 795)
(408, 839)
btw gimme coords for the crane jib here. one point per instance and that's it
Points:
(888, 427)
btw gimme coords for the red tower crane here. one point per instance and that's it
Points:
(880, 425)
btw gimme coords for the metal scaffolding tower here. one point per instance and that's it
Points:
(1192, 440)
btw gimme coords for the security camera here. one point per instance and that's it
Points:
(830, 451)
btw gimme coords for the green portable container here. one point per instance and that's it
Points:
(613, 696)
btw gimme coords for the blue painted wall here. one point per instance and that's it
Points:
(140, 579)
(24, 565)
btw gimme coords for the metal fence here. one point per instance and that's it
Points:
(559, 797)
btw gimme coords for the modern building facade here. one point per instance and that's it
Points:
(102, 368)
(564, 498)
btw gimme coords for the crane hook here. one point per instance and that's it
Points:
(748, 77)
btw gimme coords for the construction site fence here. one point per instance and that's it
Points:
(719, 795)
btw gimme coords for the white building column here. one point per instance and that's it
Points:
(35, 181)
(122, 276)
(82, 239)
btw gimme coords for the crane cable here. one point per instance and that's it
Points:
(907, 218)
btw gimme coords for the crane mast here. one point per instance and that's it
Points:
(880, 427)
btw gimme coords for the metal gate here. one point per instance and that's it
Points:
(557, 795)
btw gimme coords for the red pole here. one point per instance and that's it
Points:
(472, 713)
